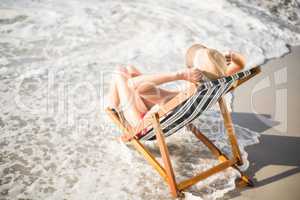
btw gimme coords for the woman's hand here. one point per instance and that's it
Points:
(235, 58)
(235, 62)
(190, 74)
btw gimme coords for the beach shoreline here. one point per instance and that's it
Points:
(273, 113)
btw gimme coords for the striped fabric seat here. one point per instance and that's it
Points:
(207, 94)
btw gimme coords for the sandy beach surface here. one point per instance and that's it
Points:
(274, 114)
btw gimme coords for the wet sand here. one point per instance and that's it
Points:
(274, 113)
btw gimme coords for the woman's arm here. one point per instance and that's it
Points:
(146, 82)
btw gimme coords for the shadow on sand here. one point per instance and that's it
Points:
(272, 150)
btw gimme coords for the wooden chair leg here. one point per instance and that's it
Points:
(230, 131)
(165, 155)
(150, 158)
(138, 145)
(244, 180)
(205, 140)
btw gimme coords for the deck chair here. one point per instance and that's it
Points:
(180, 112)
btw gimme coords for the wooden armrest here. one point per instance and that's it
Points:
(256, 70)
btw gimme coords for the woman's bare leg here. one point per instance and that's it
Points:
(113, 93)
(131, 103)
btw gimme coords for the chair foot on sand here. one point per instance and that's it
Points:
(244, 181)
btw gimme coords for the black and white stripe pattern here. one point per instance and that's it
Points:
(208, 93)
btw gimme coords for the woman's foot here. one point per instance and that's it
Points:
(193, 75)
(123, 71)
(126, 137)
(133, 71)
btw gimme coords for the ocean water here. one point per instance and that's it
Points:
(56, 62)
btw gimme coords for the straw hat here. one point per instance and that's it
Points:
(210, 61)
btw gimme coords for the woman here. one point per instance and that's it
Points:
(135, 94)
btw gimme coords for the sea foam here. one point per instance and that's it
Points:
(56, 62)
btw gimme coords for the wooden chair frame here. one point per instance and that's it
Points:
(167, 171)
